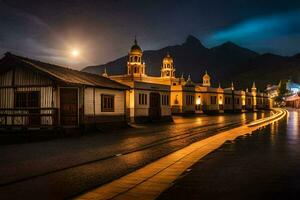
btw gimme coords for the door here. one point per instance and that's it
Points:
(154, 109)
(34, 102)
(69, 106)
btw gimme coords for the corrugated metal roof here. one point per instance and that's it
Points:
(292, 98)
(69, 75)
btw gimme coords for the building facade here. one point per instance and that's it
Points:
(41, 95)
(37, 94)
(148, 98)
(177, 95)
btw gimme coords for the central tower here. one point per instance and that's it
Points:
(206, 80)
(135, 66)
(167, 69)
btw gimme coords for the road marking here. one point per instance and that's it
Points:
(152, 179)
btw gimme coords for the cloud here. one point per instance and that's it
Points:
(258, 29)
(26, 34)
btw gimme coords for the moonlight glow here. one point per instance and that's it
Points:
(75, 53)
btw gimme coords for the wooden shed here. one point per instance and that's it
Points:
(38, 94)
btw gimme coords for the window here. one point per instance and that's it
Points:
(165, 100)
(237, 101)
(259, 101)
(227, 100)
(107, 103)
(27, 99)
(136, 69)
(213, 100)
(143, 99)
(249, 101)
(189, 100)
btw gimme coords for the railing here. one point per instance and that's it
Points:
(28, 117)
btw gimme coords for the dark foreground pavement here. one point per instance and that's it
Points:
(264, 165)
(63, 168)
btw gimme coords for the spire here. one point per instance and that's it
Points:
(135, 41)
(181, 76)
(219, 85)
(232, 86)
(253, 89)
(189, 78)
(253, 85)
(206, 72)
(189, 81)
(105, 73)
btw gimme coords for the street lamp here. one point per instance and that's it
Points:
(232, 93)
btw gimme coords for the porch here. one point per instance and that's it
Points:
(29, 118)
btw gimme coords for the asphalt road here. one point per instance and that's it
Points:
(263, 165)
(62, 168)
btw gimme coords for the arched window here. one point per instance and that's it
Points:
(139, 59)
(135, 58)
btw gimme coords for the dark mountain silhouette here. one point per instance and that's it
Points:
(270, 69)
(225, 63)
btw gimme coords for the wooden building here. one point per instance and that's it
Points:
(293, 101)
(37, 94)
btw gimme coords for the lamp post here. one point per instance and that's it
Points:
(232, 93)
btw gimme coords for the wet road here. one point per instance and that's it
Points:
(62, 168)
(264, 165)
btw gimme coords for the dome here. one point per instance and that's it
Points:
(168, 58)
(206, 76)
(136, 48)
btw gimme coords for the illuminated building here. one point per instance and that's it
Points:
(149, 97)
(182, 95)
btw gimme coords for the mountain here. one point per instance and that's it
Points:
(225, 63)
(270, 69)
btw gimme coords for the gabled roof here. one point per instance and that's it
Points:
(64, 74)
(293, 97)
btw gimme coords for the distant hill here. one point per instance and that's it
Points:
(225, 63)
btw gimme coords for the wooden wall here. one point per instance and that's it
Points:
(22, 79)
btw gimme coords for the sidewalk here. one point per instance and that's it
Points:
(149, 181)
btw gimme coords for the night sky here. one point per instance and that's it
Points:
(104, 30)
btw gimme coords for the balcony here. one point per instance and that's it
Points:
(28, 117)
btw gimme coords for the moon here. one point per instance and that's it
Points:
(75, 53)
